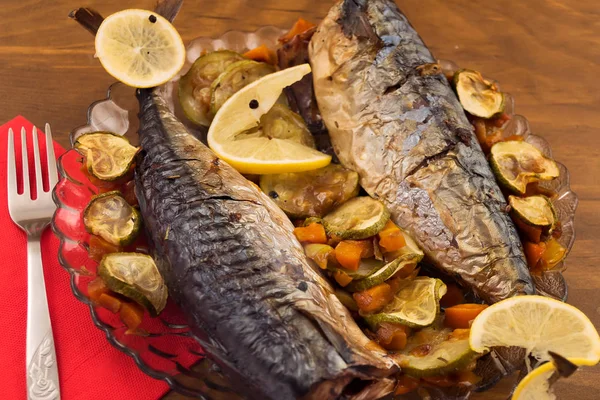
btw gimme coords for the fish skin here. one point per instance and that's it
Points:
(231, 261)
(407, 136)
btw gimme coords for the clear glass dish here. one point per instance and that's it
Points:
(168, 350)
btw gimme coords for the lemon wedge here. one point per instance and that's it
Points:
(140, 48)
(536, 384)
(235, 135)
(538, 324)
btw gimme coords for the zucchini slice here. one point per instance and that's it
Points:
(366, 268)
(445, 355)
(478, 96)
(358, 218)
(312, 193)
(108, 156)
(382, 274)
(516, 164)
(536, 211)
(235, 77)
(415, 305)
(109, 216)
(194, 86)
(135, 276)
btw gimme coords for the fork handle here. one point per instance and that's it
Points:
(42, 370)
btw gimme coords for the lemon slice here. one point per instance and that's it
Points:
(538, 324)
(415, 305)
(234, 137)
(140, 48)
(536, 385)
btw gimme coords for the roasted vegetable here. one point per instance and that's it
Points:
(262, 54)
(350, 252)
(109, 216)
(312, 193)
(319, 253)
(391, 237)
(392, 336)
(313, 233)
(477, 95)
(108, 156)
(236, 76)
(553, 254)
(374, 298)
(516, 164)
(358, 218)
(131, 314)
(194, 86)
(282, 123)
(461, 315)
(299, 27)
(407, 261)
(135, 276)
(366, 267)
(535, 211)
(96, 288)
(415, 305)
(98, 247)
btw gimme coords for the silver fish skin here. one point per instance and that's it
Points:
(404, 131)
(231, 261)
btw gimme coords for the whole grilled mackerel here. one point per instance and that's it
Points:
(231, 261)
(394, 119)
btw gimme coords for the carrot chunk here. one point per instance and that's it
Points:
(348, 253)
(262, 54)
(299, 27)
(391, 237)
(313, 233)
(459, 316)
(131, 314)
(342, 278)
(110, 302)
(96, 288)
(374, 298)
(99, 247)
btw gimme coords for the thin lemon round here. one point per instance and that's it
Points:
(232, 138)
(538, 324)
(535, 386)
(139, 48)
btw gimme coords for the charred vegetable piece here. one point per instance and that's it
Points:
(461, 315)
(391, 238)
(108, 156)
(299, 27)
(135, 276)
(415, 305)
(516, 164)
(313, 233)
(109, 216)
(478, 96)
(392, 336)
(235, 77)
(358, 218)
(535, 211)
(194, 86)
(386, 272)
(312, 193)
(319, 253)
(435, 351)
(282, 123)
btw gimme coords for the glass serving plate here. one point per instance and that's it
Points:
(166, 348)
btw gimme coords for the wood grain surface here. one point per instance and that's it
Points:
(545, 52)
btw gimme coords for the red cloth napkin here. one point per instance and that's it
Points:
(89, 367)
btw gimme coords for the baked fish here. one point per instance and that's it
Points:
(393, 118)
(231, 261)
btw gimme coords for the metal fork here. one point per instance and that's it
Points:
(33, 216)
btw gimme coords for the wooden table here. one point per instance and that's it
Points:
(545, 52)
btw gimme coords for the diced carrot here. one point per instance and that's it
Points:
(374, 298)
(299, 27)
(392, 336)
(406, 384)
(110, 302)
(459, 316)
(391, 237)
(366, 246)
(533, 253)
(96, 288)
(406, 271)
(454, 295)
(128, 191)
(531, 233)
(313, 233)
(342, 278)
(99, 247)
(131, 314)
(441, 381)
(262, 53)
(459, 334)
(348, 254)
